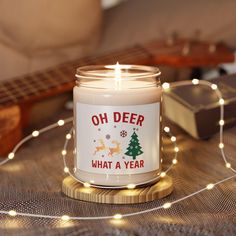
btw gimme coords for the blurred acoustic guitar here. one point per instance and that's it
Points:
(19, 94)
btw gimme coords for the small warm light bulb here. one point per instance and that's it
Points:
(228, 165)
(166, 205)
(163, 174)
(210, 186)
(117, 216)
(87, 185)
(131, 186)
(221, 145)
(63, 152)
(195, 81)
(61, 122)
(214, 86)
(68, 136)
(12, 213)
(174, 161)
(35, 133)
(11, 155)
(165, 86)
(65, 217)
(221, 122)
(66, 169)
(221, 101)
(167, 129)
(173, 138)
(176, 149)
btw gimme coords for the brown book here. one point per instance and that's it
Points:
(196, 109)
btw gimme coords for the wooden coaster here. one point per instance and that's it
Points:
(76, 190)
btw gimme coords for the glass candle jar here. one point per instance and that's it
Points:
(117, 114)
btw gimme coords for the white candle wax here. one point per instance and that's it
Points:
(110, 117)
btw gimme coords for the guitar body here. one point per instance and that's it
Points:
(10, 128)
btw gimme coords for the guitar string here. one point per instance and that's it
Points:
(123, 54)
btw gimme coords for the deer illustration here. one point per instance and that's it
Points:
(113, 150)
(102, 147)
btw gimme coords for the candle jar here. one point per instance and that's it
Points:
(117, 121)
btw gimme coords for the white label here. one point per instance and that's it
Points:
(117, 139)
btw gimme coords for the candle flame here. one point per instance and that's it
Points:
(117, 71)
(117, 75)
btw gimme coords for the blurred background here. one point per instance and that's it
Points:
(35, 35)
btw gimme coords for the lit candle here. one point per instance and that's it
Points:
(117, 124)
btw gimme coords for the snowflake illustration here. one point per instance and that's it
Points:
(108, 136)
(123, 133)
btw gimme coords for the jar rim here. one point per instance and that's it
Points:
(130, 72)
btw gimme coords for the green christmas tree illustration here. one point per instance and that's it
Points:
(134, 149)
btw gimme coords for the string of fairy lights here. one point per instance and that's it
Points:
(118, 216)
(129, 186)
